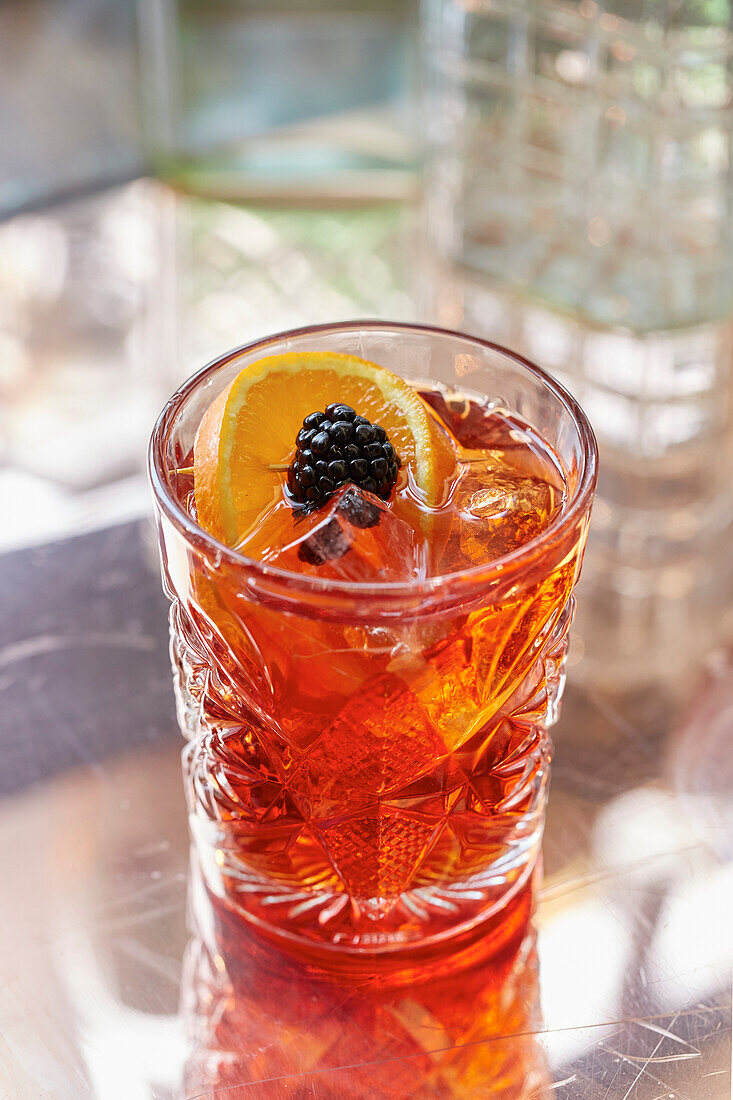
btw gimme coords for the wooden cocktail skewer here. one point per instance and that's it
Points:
(281, 466)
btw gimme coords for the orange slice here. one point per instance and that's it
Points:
(249, 431)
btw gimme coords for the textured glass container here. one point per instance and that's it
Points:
(578, 204)
(583, 151)
(367, 763)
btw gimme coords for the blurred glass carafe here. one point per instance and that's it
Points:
(579, 202)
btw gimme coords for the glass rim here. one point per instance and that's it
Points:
(460, 581)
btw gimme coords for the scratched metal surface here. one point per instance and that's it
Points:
(108, 992)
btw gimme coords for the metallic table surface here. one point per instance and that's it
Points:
(105, 991)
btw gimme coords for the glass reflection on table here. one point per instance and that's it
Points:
(630, 998)
(265, 1023)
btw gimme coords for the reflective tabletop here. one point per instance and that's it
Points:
(112, 986)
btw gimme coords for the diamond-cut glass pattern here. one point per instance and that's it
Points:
(423, 793)
(367, 764)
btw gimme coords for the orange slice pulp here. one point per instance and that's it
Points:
(247, 436)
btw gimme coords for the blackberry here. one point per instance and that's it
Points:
(336, 446)
(332, 539)
(359, 511)
(325, 544)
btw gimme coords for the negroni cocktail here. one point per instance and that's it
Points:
(371, 577)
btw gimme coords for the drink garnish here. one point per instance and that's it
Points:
(336, 446)
(359, 511)
(327, 543)
(332, 539)
(258, 428)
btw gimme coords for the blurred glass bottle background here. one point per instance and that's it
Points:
(579, 205)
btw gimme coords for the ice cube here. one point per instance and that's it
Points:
(493, 435)
(499, 509)
(474, 426)
(354, 536)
